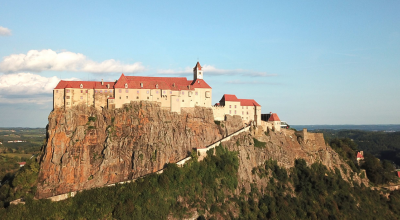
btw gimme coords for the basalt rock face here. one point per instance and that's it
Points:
(88, 148)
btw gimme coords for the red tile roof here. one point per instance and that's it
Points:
(86, 85)
(21, 163)
(198, 66)
(167, 83)
(274, 117)
(200, 83)
(360, 155)
(229, 98)
(248, 102)
(243, 102)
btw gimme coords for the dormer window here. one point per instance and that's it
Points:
(108, 86)
(126, 85)
(141, 85)
(81, 86)
(156, 86)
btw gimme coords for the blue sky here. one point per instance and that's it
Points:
(312, 62)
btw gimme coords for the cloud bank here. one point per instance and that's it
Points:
(4, 31)
(27, 88)
(213, 71)
(38, 61)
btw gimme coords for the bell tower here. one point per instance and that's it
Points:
(197, 72)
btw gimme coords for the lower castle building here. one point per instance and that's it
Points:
(172, 93)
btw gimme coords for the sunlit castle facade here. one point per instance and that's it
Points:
(172, 93)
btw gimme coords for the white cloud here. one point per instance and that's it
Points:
(43, 60)
(213, 71)
(27, 88)
(4, 31)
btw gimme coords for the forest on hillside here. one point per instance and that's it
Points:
(209, 190)
(383, 145)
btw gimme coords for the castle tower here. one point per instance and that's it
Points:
(197, 72)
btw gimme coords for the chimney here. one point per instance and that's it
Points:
(102, 83)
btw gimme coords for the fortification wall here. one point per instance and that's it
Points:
(219, 113)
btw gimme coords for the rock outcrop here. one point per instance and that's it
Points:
(87, 148)
(285, 147)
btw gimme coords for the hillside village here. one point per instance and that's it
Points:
(173, 93)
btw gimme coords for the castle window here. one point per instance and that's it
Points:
(183, 93)
(230, 111)
(157, 92)
(81, 86)
(170, 92)
(105, 91)
(137, 92)
(148, 97)
(247, 107)
(120, 91)
(67, 103)
(235, 106)
(183, 100)
(126, 85)
(120, 97)
(197, 93)
(81, 97)
(67, 90)
(147, 91)
(56, 91)
(68, 97)
(247, 112)
(230, 106)
(101, 91)
(126, 97)
(242, 113)
(137, 97)
(86, 91)
(126, 91)
(163, 92)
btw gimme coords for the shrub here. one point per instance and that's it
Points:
(259, 144)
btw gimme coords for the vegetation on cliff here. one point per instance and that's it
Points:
(314, 192)
(20, 185)
(384, 145)
(378, 172)
(198, 186)
(211, 189)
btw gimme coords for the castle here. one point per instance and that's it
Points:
(173, 93)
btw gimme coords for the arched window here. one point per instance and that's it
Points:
(81, 86)
(126, 85)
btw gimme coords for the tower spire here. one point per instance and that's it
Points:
(197, 71)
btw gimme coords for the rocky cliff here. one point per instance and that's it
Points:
(88, 148)
(285, 147)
